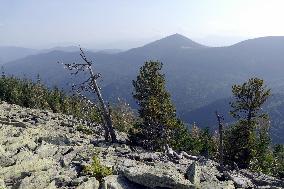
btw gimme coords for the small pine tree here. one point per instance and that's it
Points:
(246, 107)
(156, 110)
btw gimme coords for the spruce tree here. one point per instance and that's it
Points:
(156, 110)
(246, 107)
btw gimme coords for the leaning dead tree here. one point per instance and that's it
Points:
(171, 153)
(91, 85)
(221, 148)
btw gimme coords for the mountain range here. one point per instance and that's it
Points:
(12, 53)
(198, 77)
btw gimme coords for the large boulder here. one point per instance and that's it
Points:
(118, 182)
(158, 175)
(239, 180)
(92, 183)
(6, 161)
(40, 179)
(193, 173)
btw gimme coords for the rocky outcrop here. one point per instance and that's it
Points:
(156, 175)
(40, 149)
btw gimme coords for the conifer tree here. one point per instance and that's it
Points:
(246, 107)
(156, 109)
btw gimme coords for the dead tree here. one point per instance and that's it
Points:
(91, 85)
(221, 148)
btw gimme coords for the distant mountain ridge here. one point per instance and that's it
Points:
(196, 75)
(11, 53)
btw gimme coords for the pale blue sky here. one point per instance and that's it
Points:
(127, 23)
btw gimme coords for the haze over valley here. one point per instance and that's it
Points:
(198, 76)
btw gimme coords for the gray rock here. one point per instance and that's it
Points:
(209, 172)
(77, 181)
(66, 124)
(119, 182)
(239, 180)
(6, 161)
(67, 159)
(150, 157)
(262, 180)
(193, 173)
(46, 150)
(20, 124)
(39, 179)
(92, 183)
(123, 149)
(156, 176)
(51, 185)
(2, 184)
(217, 185)
(49, 155)
(62, 180)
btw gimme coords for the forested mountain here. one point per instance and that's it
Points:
(196, 75)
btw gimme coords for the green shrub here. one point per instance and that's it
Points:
(84, 130)
(31, 94)
(97, 170)
(123, 116)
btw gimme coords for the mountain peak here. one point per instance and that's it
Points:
(176, 36)
(175, 41)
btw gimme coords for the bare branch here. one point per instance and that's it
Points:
(90, 85)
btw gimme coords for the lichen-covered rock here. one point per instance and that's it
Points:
(262, 180)
(6, 161)
(209, 172)
(38, 151)
(156, 176)
(193, 173)
(32, 165)
(239, 180)
(92, 183)
(38, 155)
(218, 185)
(41, 179)
(2, 184)
(119, 182)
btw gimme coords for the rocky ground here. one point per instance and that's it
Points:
(40, 149)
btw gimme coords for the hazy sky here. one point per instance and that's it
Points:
(127, 23)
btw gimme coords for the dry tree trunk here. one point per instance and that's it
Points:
(221, 147)
(91, 85)
(170, 152)
(106, 112)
